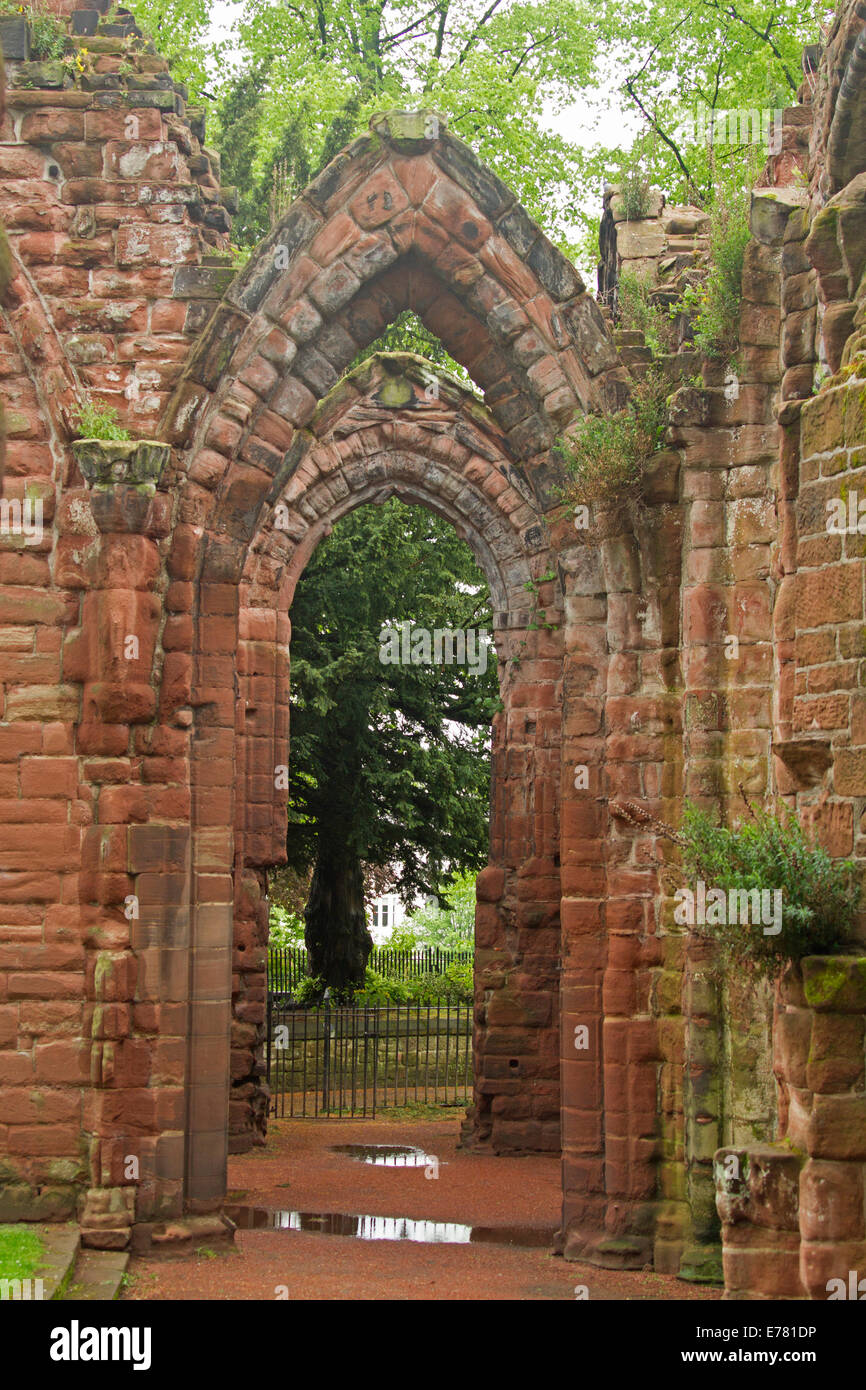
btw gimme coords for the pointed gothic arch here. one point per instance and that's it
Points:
(399, 220)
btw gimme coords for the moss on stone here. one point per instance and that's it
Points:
(701, 1264)
(821, 987)
(396, 391)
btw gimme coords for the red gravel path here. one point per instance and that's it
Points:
(298, 1170)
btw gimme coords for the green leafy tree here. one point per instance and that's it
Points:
(675, 68)
(390, 762)
(240, 116)
(310, 77)
(490, 68)
(179, 28)
(447, 922)
(286, 928)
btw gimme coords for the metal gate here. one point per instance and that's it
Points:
(351, 1060)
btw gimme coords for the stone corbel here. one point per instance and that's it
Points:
(121, 613)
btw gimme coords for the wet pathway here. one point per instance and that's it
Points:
(360, 1209)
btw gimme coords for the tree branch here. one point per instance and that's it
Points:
(731, 11)
(322, 24)
(440, 37)
(539, 43)
(390, 40)
(666, 138)
(467, 48)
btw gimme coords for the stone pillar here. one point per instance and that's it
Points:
(135, 883)
(794, 1217)
(262, 729)
(827, 1119)
(757, 1197)
(214, 867)
(517, 934)
(584, 885)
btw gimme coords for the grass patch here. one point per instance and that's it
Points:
(21, 1252)
(421, 1111)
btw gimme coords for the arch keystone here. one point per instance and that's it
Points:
(410, 132)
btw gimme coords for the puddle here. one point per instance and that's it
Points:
(388, 1228)
(387, 1155)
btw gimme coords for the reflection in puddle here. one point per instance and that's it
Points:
(387, 1155)
(388, 1227)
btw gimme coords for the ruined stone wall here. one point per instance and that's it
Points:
(136, 917)
(745, 468)
(140, 815)
(117, 238)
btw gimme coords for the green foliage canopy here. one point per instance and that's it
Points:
(447, 922)
(304, 79)
(314, 75)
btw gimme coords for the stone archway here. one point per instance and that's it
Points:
(394, 428)
(398, 221)
(174, 548)
(146, 772)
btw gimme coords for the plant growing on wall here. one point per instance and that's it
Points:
(637, 310)
(606, 455)
(636, 195)
(716, 304)
(96, 421)
(48, 36)
(796, 900)
(817, 896)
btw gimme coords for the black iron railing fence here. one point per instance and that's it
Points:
(287, 965)
(352, 1060)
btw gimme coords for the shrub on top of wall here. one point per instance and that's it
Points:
(716, 304)
(47, 37)
(606, 455)
(636, 195)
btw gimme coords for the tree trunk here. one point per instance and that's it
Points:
(338, 942)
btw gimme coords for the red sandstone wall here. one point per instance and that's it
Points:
(145, 776)
(116, 231)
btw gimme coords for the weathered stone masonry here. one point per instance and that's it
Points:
(139, 815)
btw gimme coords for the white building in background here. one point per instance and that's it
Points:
(386, 913)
